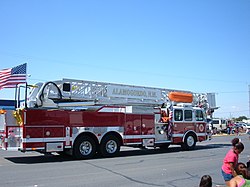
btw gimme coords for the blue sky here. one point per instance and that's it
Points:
(200, 46)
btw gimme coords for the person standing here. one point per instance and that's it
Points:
(229, 127)
(230, 161)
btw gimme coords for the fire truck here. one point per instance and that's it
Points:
(85, 118)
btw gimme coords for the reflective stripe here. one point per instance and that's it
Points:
(181, 135)
(201, 134)
(32, 149)
(138, 136)
(177, 135)
(35, 140)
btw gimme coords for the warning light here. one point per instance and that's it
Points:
(2, 111)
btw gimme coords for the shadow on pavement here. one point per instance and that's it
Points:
(123, 153)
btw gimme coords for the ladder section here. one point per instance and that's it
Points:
(110, 93)
(72, 92)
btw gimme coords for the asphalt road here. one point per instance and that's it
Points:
(133, 167)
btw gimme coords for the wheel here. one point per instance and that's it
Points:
(110, 146)
(84, 147)
(189, 142)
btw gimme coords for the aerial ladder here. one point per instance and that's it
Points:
(68, 93)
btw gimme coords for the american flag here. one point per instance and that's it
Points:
(10, 77)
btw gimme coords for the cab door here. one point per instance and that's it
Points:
(188, 120)
(178, 125)
(183, 120)
(200, 121)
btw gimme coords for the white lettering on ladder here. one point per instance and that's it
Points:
(130, 92)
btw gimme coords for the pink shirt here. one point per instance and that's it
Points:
(231, 157)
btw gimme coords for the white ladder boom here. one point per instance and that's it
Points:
(101, 93)
(111, 93)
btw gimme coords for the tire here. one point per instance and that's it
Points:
(110, 146)
(189, 142)
(84, 147)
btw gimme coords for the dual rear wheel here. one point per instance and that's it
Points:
(86, 147)
(110, 146)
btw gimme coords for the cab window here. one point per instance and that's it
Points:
(199, 115)
(178, 115)
(188, 115)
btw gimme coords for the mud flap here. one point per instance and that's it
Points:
(54, 147)
(148, 142)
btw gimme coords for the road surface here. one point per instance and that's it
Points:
(133, 167)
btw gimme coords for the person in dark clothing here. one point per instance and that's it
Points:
(206, 181)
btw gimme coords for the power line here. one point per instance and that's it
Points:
(117, 69)
(232, 112)
(229, 92)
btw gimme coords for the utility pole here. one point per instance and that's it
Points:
(249, 98)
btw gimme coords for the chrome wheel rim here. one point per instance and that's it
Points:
(190, 141)
(85, 148)
(111, 146)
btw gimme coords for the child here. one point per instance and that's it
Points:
(242, 178)
(206, 181)
(230, 161)
(235, 141)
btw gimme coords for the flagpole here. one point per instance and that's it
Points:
(16, 97)
(26, 86)
(26, 94)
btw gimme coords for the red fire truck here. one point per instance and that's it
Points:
(83, 118)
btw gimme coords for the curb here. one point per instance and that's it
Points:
(224, 134)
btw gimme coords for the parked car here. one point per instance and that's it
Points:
(242, 124)
(246, 126)
(241, 127)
